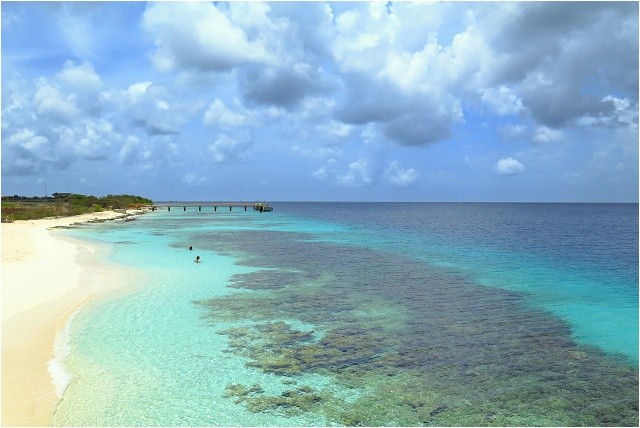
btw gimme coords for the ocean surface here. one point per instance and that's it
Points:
(392, 314)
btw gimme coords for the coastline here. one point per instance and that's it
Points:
(46, 277)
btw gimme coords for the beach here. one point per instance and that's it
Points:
(45, 278)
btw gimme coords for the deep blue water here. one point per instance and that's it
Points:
(365, 314)
(568, 252)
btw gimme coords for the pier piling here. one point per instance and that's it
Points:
(261, 206)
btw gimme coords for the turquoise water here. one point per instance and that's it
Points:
(364, 314)
(147, 357)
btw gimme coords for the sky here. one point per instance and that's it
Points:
(316, 101)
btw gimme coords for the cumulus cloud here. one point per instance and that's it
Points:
(92, 140)
(334, 129)
(219, 115)
(72, 117)
(369, 101)
(508, 166)
(317, 81)
(191, 179)
(315, 153)
(574, 46)
(407, 119)
(410, 83)
(199, 36)
(422, 127)
(283, 86)
(226, 149)
(320, 173)
(23, 151)
(357, 174)
(53, 123)
(623, 112)
(501, 100)
(51, 103)
(544, 135)
(28, 139)
(400, 177)
(149, 107)
(555, 103)
(148, 153)
(82, 77)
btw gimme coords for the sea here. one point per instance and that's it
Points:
(360, 314)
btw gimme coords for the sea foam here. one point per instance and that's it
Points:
(60, 376)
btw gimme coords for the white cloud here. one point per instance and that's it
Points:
(150, 107)
(501, 100)
(334, 129)
(137, 90)
(544, 135)
(88, 139)
(51, 103)
(195, 35)
(149, 153)
(323, 171)
(400, 177)
(623, 113)
(354, 48)
(26, 138)
(508, 166)
(129, 151)
(80, 77)
(319, 153)
(357, 175)
(219, 115)
(191, 179)
(320, 173)
(229, 150)
(316, 82)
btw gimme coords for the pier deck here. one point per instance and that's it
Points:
(201, 205)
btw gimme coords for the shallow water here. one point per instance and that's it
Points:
(365, 314)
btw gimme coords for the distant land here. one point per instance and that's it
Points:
(65, 204)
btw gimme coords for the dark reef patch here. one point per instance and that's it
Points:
(268, 279)
(417, 345)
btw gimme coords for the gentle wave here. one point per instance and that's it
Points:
(60, 376)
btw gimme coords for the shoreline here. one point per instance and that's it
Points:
(46, 278)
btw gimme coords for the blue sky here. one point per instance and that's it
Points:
(315, 101)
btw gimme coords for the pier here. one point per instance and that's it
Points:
(257, 206)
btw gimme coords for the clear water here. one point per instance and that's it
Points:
(364, 314)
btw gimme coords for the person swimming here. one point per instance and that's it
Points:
(197, 260)
(190, 248)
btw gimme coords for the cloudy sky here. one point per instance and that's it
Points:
(344, 101)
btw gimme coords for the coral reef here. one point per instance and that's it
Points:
(421, 345)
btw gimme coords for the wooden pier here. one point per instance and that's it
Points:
(215, 205)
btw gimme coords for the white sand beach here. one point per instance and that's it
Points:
(45, 278)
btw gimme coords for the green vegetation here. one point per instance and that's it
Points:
(64, 205)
